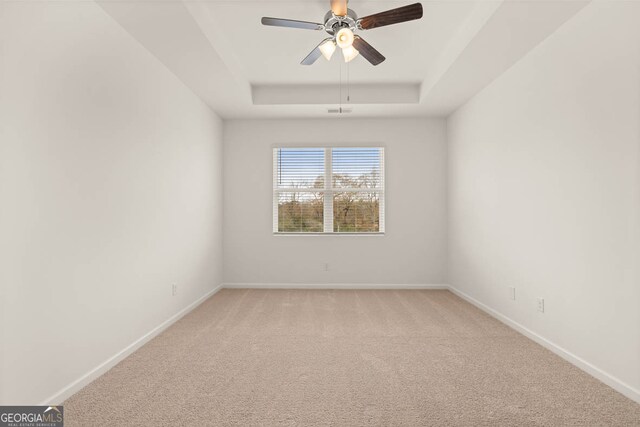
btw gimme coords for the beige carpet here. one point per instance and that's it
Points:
(345, 358)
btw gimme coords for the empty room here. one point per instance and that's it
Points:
(319, 213)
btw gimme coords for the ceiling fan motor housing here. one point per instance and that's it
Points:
(334, 23)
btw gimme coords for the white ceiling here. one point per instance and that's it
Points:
(243, 69)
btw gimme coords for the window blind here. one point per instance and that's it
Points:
(328, 190)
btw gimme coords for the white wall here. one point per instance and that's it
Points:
(411, 252)
(544, 173)
(111, 189)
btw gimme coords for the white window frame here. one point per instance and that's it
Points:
(328, 192)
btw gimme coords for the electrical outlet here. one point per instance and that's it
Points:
(326, 266)
(512, 292)
(541, 305)
(174, 289)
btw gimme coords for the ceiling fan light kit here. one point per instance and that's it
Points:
(341, 23)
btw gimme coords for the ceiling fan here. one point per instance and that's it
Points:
(341, 22)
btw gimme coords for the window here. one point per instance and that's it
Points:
(328, 190)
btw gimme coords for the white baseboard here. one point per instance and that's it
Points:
(84, 380)
(613, 382)
(330, 286)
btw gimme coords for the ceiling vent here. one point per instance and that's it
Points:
(339, 110)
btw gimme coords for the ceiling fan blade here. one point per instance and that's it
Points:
(291, 23)
(393, 16)
(313, 55)
(339, 7)
(367, 51)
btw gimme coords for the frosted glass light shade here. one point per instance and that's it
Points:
(349, 53)
(327, 48)
(344, 38)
